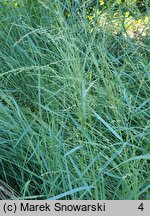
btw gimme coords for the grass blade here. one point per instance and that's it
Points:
(60, 196)
(108, 126)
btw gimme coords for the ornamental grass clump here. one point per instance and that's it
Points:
(74, 104)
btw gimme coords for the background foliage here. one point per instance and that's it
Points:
(74, 99)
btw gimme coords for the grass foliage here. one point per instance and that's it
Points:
(74, 105)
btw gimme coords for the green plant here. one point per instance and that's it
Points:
(74, 105)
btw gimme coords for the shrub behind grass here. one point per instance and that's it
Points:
(74, 114)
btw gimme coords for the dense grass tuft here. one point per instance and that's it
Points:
(74, 107)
